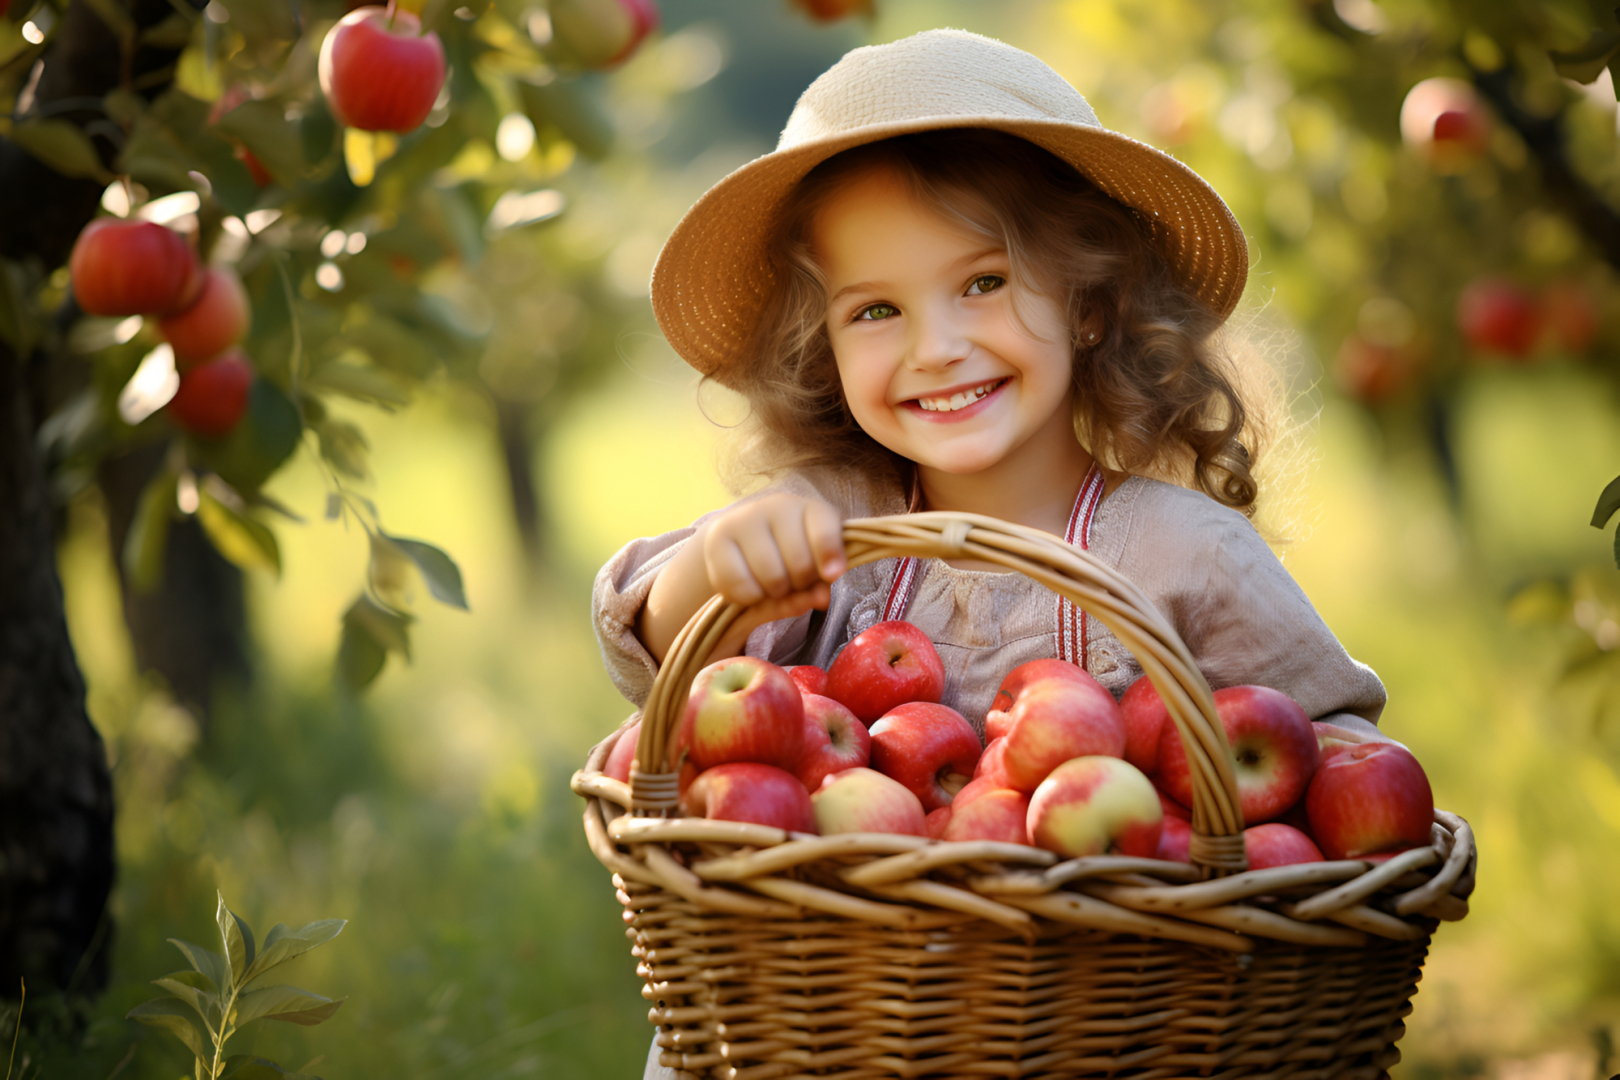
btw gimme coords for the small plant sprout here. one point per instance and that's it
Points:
(219, 991)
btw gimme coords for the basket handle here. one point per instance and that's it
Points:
(1104, 594)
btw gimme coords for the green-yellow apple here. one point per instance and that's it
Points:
(929, 748)
(1273, 751)
(742, 709)
(886, 665)
(1096, 804)
(864, 800)
(748, 791)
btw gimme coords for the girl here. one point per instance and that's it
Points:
(950, 288)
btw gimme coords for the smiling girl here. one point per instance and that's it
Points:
(950, 288)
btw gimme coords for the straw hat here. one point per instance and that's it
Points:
(713, 276)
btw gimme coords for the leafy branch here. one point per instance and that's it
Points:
(1608, 503)
(219, 992)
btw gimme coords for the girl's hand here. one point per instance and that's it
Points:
(784, 549)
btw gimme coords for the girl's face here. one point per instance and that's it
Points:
(935, 362)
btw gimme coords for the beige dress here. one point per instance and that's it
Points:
(1202, 564)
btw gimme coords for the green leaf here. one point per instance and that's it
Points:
(208, 963)
(1587, 61)
(390, 572)
(174, 1017)
(370, 632)
(255, 448)
(282, 944)
(252, 1067)
(149, 533)
(393, 345)
(238, 940)
(1607, 504)
(441, 573)
(173, 32)
(277, 143)
(1617, 547)
(196, 990)
(363, 383)
(286, 1003)
(19, 319)
(245, 542)
(573, 111)
(62, 146)
(344, 446)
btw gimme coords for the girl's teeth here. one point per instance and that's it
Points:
(957, 401)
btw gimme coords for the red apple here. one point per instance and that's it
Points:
(993, 763)
(808, 678)
(1496, 316)
(216, 321)
(1372, 372)
(1273, 750)
(833, 741)
(1145, 718)
(380, 72)
(748, 791)
(886, 665)
(998, 814)
(1095, 804)
(864, 800)
(213, 396)
(623, 754)
(1367, 799)
(936, 822)
(1444, 121)
(998, 721)
(1174, 840)
(833, 10)
(601, 33)
(979, 785)
(1276, 844)
(1173, 809)
(929, 748)
(741, 709)
(1058, 718)
(127, 267)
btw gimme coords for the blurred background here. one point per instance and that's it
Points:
(296, 711)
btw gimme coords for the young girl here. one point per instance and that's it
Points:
(950, 288)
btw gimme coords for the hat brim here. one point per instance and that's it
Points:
(714, 276)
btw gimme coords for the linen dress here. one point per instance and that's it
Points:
(1202, 564)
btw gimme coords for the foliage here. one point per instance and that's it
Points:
(216, 991)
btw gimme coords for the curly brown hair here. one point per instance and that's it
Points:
(1156, 392)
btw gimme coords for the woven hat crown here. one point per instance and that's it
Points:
(938, 74)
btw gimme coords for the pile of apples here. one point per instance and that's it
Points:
(134, 267)
(865, 746)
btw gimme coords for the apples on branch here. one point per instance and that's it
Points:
(215, 321)
(379, 72)
(133, 267)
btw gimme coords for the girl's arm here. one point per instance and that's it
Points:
(782, 548)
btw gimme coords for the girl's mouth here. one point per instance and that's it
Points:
(960, 400)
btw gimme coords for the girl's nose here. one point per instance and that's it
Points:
(939, 339)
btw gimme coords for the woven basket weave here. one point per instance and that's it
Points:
(774, 954)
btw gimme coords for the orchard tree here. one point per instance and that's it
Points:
(271, 208)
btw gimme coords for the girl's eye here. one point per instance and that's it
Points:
(986, 283)
(877, 312)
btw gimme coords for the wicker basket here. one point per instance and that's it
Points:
(770, 954)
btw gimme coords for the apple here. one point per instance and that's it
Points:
(1092, 805)
(1331, 737)
(929, 748)
(379, 72)
(833, 10)
(749, 791)
(1171, 808)
(1273, 751)
(1058, 718)
(998, 721)
(1276, 844)
(601, 33)
(741, 709)
(1372, 372)
(936, 822)
(130, 267)
(217, 320)
(1175, 840)
(1145, 718)
(808, 678)
(623, 754)
(864, 800)
(833, 741)
(1444, 121)
(979, 785)
(992, 763)
(1496, 316)
(1369, 798)
(213, 396)
(886, 665)
(996, 814)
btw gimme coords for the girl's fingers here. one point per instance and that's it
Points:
(825, 531)
(789, 530)
(764, 558)
(794, 604)
(729, 572)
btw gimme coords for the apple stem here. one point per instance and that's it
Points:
(391, 4)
